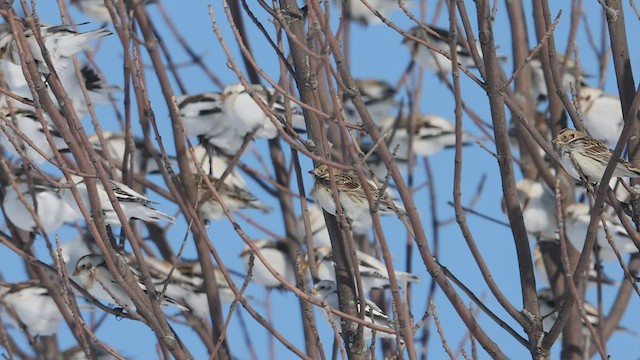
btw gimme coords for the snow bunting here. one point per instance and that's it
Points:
(95, 277)
(51, 210)
(276, 254)
(133, 204)
(538, 205)
(377, 95)
(360, 13)
(61, 42)
(143, 161)
(33, 306)
(576, 224)
(327, 290)
(319, 231)
(438, 38)
(602, 115)
(373, 272)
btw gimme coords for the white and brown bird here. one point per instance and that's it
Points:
(100, 283)
(116, 146)
(601, 114)
(438, 39)
(60, 40)
(359, 12)
(134, 205)
(373, 272)
(327, 290)
(33, 306)
(276, 254)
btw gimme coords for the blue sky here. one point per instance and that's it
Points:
(376, 52)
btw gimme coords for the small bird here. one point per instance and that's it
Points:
(373, 272)
(233, 195)
(95, 9)
(33, 305)
(377, 95)
(319, 231)
(133, 204)
(276, 254)
(592, 274)
(360, 13)
(116, 142)
(584, 157)
(438, 38)
(573, 75)
(244, 114)
(327, 290)
(204, 117)
(538, 209)
(352, 197)
(576, 224)
(26, 121)
(431, 135)
(95, 277)
(602, 114)
(51, 210)
(61, 42)
(549, 312)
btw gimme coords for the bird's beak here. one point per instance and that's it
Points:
(311, 172)
(76, 273)
(314, 291)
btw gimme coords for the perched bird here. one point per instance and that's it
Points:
(319, 231)
(549, 311)
(276, 254)
(33, 305)
(61, 42)
(30, 128)
(352, 197)
(602, 115)
(95, 277)
(327, 290)
(576, 224)
(95, 9)
(133, 204)
(592, 274)
(373, 272)
(99, 91)
(204, 117)
(377, 95)
(573, 75)
(360, 13)
(51, 210)
(245, 115)
(438, 38)
(234, 195)
(585, 157)
(538, 209)
(116, 146)
(431, 135)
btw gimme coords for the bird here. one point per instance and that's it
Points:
(60, 40)
(319, 232)
(601, 114)
(352, 197)
(95, 9)
(98, 89)
(234, 195)
(538, 205)
(95, 277)
(431, 135)
(33, 306)
(52, 211)
(203, 116)
(134, 205)
(577, 220)
(30, 128)
(245, 115)
(116, 146)
(438, 38)
(361, 14)
(373, 272)
(327, 291)
(592, 274)
(584, 157)
(572, 74)
(276, 254)
(549, 312)
(377, 95)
